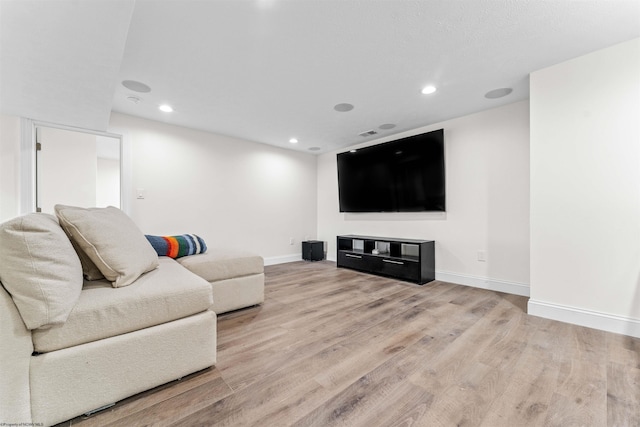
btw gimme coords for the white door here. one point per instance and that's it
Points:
(76, 168)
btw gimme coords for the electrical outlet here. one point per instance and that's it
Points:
(482, 256)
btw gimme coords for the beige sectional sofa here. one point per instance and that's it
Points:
(236, 277)
(70, 345)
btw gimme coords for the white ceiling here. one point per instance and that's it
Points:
(270, 70)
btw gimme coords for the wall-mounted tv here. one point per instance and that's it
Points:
(405, 175)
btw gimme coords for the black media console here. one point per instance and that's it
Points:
(404, 259)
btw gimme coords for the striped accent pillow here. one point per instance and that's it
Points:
(177, 246)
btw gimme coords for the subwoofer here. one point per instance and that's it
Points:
(313, 250)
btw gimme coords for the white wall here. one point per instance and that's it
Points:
(67, 167)
(585, 190)
(9, 167)
(487, 179)
(108, 182)
(232, 192)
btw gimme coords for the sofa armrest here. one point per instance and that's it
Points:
(15, 358)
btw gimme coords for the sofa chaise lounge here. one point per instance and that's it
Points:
(71, 345)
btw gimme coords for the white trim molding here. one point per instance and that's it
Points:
(514, 288)
(282, 259)
(28, 165)
(591, 319)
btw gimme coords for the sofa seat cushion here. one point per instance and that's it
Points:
(222, 264)
(167, 293)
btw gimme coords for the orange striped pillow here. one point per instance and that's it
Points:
(177, 246)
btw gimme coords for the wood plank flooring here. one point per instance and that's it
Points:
(333, 347)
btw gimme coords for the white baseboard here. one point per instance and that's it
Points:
(590, 319)
(282, 259)
(484, 283)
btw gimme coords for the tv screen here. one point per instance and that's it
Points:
(405, 175)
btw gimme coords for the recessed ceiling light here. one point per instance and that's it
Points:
(428, 90)
(343, 108)
(387, 126)
(136, 86)
(498, 93)
(293, 141)
(314, 148)
(166, 108)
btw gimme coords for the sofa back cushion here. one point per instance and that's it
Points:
(89, 270)
(40, 269)
(111, 240)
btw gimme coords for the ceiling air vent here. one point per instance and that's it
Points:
(368, 133)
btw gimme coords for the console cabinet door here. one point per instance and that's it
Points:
(407, 270)
(350, 260)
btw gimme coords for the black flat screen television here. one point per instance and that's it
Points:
(405, 175)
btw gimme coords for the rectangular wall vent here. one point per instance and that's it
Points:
(368, 133)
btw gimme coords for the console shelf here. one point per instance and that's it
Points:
(404, 259)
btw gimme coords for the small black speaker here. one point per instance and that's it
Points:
(313, 250)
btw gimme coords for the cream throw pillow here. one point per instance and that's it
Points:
(40, 269)
(89, 270)
(111, 240)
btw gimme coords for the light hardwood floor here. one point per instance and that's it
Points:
(336, 347)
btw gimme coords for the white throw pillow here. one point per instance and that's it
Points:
(111, 240)
(40, 269)
(89, 270)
